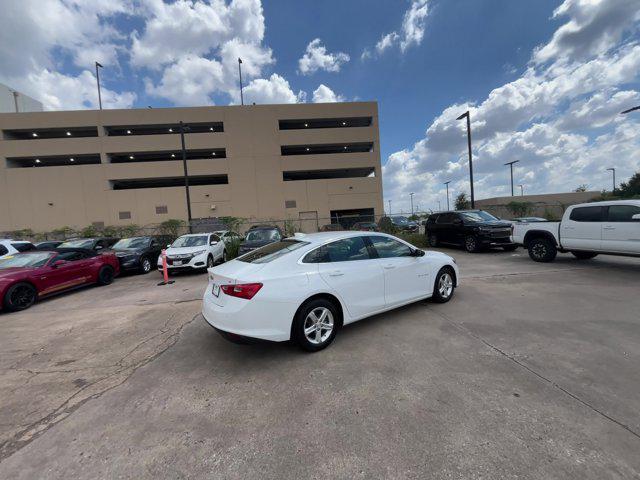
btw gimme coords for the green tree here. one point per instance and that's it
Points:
(62, 232)
(582, 188)
(171, 227)
(232, 223)
(462, 202)
(520, 209)
(89, 231)
(630, 188)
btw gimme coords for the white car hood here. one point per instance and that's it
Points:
(183, 250)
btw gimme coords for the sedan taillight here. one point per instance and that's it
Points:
(242, 290)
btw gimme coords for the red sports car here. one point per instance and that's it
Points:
(25, 277)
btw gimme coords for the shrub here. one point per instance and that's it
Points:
(232, 247)
(171, 227)
(232, 223)
(520, 209)
(63, 232)
(89, 231)
(416, 239)
(387, 226)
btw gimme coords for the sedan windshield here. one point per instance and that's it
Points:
(136, 242)
(272, 251)
(478, 216)
(400, 220)
(190, 241)
(262, 235)
(36, 259)
(77, 244)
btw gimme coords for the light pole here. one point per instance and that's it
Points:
(439, 208)
(521, 190)
(411, 195)
(613, 170)
(389, 207)
(511, 168)
(447, 185)
(240, 75)
(468, 115)
(184, 128)
(98, 80)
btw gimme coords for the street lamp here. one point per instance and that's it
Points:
(468, 115)
(411, 195)
(185, 128)
(613, 170)
(98, 81)
(240, 75)
(521, 190)
(389, 207)
(511, 168)
(447, 185)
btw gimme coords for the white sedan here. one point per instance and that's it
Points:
(306, 287)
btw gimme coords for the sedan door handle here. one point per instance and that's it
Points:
(608, 228)
(388, 267)
(336, 273)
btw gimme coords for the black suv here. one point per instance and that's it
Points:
(471, 229)
(139, 253)
(259, 236)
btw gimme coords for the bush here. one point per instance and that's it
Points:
(171, 227)
(462, 202)
(386, 226)
(232, 247)
(89, 231)
(416, 239)
(520, 209)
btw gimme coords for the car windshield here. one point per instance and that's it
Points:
(478, 216)
(190, 241)
(263, 235)
(136, 242)
(272, 251)
(84, 243)
(400, 220)
(25, 260)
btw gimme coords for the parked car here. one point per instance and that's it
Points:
(403, 224)
(195, 251)
(95, 244)
(347, 276)
(586, 230)
(472, 229)
(228, 236)
(331, 227)
(11, 247)
(259, 236)
(365, 227)
(137, 253)
(29, 276)
(48, 244)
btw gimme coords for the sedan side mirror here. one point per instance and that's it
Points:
(98, 247)
(213, 242)
(457, 221)
(417, 253)
(58, 263)
(636, 217)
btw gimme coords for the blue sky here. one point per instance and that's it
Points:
(544, 80)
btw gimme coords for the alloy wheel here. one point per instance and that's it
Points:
(445, 285)
(318, 325)
(146, 265)
(470, 243)
(209, 262)
(539, 250)
(22, 296)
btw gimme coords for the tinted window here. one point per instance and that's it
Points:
(25, 260)
(77, 244)
(622, 213)
(445, 218)
(23, 247)
(272, 251)
(70, 256)
(387, 247)
(190, 241)
(345, 250)
(3, 250)
(262, 235)
(586, 214)
(479, 216)
(214, 238)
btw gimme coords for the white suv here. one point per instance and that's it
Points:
(10, 247)
(196, 251)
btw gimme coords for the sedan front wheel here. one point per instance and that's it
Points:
(444, 285)
(20, 297)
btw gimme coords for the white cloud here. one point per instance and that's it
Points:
(324, 94)
(551, 118)
(411, 32)
(317, 58)
(275, 89)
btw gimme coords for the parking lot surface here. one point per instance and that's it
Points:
(531, 371)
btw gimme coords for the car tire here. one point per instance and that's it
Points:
(433, 239)
(19, 297)
(542, 250)
(210, 262)
(471, 244)
(105, 275)
(315, 325)
(510, 248)
(444, 285)
(584, 255)
(145, 265)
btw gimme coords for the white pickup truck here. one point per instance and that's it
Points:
(586, 230)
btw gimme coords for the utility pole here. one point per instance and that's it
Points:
(98, 81)
(411, 195)
(184, 128)
(511, 168)
(468, 115)
(240, 75)
(521, 190)
(613, 170)
(389, 207)
(447, 185)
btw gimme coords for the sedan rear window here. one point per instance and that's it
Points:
(23, 246)
(272, 251)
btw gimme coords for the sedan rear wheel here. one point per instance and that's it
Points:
(105, 275)
(20, 297)
(314, 327)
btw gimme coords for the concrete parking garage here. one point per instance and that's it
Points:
(529, 372)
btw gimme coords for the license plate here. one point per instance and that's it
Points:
(177, 262)
(216, 289)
